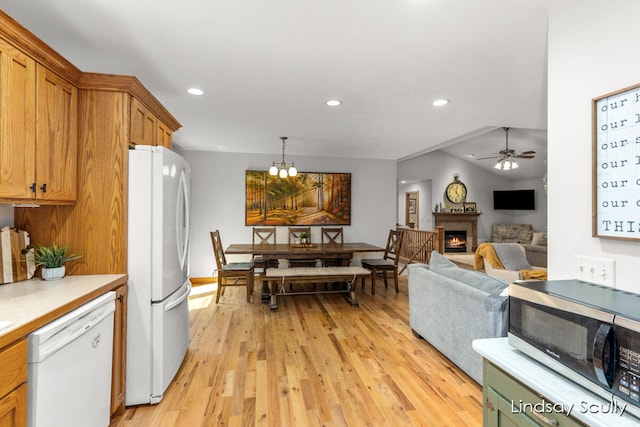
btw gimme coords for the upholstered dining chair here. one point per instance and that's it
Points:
(388, 263)
(231, 274)
(295, 233)
(335, 236)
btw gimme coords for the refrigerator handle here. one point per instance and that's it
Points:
(183, 202)
(181, 298)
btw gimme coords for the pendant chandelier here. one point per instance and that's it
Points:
(285, 169)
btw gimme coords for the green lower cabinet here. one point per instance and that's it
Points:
(507, 402)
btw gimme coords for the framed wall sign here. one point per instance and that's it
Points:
(616, 164)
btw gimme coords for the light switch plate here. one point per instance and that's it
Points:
(600, 271)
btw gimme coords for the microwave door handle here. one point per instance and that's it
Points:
(603, 355)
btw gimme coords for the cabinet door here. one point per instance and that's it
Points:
(17, 123)
(507, 402)
(57, 137)
(13, 408)
(163, 135)
(143, 124)
(119, 352)
(498, 412)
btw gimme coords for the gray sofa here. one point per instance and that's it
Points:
(450, 307)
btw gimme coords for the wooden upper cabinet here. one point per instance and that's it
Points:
(17, 123)
(57, 137)
(146, 128)
(143, 124)
(163, 135)
(38, 132)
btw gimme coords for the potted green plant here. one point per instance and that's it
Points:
(304, 238)
(52, 259)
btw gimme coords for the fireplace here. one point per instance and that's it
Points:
(455, 241)
(460, 221)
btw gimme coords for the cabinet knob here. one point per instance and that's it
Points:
(32, 187)
(43, 187)
(488, 404)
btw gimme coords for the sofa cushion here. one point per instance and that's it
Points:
(441, 265)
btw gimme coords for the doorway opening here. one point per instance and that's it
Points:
(411, 209)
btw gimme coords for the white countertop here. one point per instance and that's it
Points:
(27, 305)
(587, 407)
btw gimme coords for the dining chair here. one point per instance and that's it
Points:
(263, 236)
(388, 263)
(231, 274)
(335, 236)
(296, 233)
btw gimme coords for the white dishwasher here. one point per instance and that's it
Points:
(69, 379)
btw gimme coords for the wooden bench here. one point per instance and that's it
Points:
(279, 278)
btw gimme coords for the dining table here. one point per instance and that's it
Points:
(343, 253)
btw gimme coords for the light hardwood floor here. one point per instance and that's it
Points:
(317, 361)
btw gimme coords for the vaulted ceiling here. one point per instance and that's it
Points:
(267, 68)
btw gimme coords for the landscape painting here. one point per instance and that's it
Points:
(309, 198)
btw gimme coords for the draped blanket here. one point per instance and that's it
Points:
(486, 252)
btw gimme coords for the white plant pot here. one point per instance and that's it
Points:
(53, 273)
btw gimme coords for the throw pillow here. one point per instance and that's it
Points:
(539, 238)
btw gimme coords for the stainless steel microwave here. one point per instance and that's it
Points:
(588, 333)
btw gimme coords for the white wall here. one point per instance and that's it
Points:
(440, 167)
(592, 52)
(218, 195)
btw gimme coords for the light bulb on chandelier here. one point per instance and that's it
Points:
(283, 173)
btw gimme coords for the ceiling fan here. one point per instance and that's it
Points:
(507, 157)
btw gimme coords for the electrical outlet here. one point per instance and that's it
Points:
(600, 271)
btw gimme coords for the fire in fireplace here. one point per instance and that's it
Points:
(455, 241)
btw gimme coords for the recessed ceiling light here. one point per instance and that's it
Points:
(195, 91)
(441, 102)
(333, 102)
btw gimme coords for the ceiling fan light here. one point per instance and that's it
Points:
(498, 165)
(514, 164)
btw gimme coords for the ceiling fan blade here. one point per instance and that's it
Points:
(525, 156)
(527, 152)
(492, 157)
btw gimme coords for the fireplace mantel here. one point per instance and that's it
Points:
(468, 220)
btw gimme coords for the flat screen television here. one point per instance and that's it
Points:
(524, 200)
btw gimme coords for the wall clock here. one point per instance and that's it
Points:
(456, 191)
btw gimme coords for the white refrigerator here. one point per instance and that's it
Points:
(158, 253)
